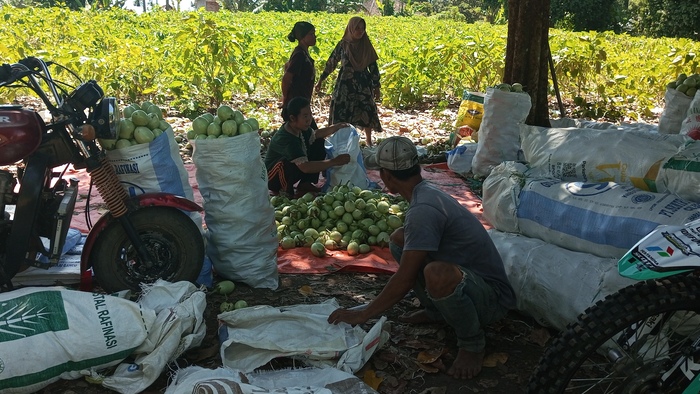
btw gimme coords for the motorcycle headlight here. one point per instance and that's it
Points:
(106, 119)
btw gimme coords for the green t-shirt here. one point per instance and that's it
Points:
(285, 145)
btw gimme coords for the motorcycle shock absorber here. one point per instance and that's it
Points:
(108, 186)
(115, 197)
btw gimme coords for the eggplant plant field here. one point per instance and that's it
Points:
(196, 60)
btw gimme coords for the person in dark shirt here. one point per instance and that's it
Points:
(293, 156)
(445, 255)
(299, 71)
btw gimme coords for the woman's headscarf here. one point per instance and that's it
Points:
(360, 52)
(300, 30)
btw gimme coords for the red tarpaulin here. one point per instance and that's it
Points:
(300, 260)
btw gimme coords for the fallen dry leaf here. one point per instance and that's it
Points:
(371, 379)
(494, 359)
(439, 365)
(427, 368)
(539, 336)
(306, 290)
(388, 356)
(416, 344)
(430, 356)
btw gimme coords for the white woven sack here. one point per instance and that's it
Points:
(552, 284)
(500, 195)
(675, 110)
(153, 168)
(254, 336)
(680, 174)
(242, 237)
(50, 333)
(605, 219)
(591, 155)
(499, 132)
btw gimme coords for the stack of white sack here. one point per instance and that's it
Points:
(601, 218)
(582, 200)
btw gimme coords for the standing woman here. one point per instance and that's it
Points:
(357, 85)
(299, 72)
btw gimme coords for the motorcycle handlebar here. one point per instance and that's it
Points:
(11, 72)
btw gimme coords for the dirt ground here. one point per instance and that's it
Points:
(513, 348)
(415, 358)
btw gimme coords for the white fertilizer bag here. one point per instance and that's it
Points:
(500, 195)
(179, 326)
(552, 284)
(242, 237)
(500, 128)
(680, 174)
(51, 333)
(346, 140)
(254, 336)
(675, 110)
(605, 219)
(591, 155)
(153, 167)
(287, 381)
(691, 126)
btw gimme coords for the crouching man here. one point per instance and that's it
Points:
(445, 255)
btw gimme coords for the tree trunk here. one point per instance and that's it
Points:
(527, 54)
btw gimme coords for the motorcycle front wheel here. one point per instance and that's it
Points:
(643, 339)
(173, 240)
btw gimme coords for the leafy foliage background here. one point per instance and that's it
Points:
(200, 59)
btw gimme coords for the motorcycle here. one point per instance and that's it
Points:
(139, 240)
(645, 338)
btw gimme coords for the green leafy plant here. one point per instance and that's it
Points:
(198, 60)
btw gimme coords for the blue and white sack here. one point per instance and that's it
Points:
(152, 168)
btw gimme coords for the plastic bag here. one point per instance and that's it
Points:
(675, 110)
(346, 140)
(459, 159)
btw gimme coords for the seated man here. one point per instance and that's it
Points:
(296, 152)
(445, 255)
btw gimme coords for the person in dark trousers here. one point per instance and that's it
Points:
(445, 255)
(293, 156)
(357, 85)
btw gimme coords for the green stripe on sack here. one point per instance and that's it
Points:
(32, 314)
(683, 165)
(57, 370)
